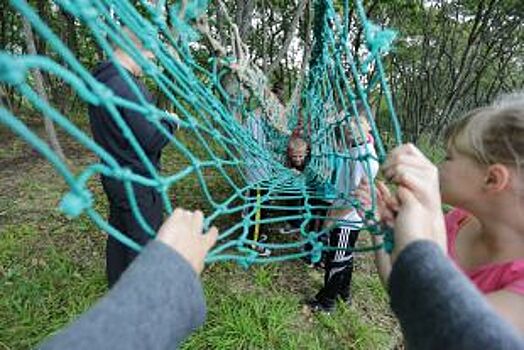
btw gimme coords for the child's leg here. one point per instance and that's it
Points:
(339, 267)
(345, 284)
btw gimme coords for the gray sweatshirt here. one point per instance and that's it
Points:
(439, 308)
(158, 302)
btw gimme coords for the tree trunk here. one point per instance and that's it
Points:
(39, 85)
(288, 37)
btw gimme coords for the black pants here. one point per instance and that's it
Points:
(121, 217)
(338, 266)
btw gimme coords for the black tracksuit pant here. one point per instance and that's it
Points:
(121, 217)
(338, 266)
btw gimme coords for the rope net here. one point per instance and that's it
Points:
(236, 140)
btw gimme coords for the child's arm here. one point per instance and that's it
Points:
(386, 207)
(382, 260)
(437, 306)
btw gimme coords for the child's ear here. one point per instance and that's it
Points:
(498, 178)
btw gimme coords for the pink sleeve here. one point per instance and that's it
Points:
(517, 287)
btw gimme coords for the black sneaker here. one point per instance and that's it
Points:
(346, 299)
(318, 307)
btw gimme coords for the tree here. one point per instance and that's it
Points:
(452, 56)
(39, 85)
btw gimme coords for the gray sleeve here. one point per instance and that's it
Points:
(156, 304)
(439, 308)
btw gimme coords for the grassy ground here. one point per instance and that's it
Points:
(51, 270)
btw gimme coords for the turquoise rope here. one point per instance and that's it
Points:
(209, 114)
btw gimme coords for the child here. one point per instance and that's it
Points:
(297, 153)
(482, 176)
(297, 157)
(357, 143)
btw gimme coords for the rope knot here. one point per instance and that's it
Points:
(12, 70)
(380, 39)
(248, 260)
(316, 248)
(73, 204)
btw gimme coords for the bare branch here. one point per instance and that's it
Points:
(289, 36)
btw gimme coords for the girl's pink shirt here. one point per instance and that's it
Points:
(491, 277)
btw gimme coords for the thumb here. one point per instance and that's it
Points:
(210, 238)
(383, 190)
(405, 196)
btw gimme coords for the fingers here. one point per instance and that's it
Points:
(198, 221)
(409, 150)
(416, 181)
(405, 196)
(187, 220)
(387, 203)
(406, 155)
(408, 167)
(384, 193)
(210, 238)
(364, 197)
(176, 219)
(394, 166)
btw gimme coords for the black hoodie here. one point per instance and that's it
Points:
(109, 136)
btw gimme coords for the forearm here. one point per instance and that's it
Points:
(382, 260)
(156, 304)
(438, 308)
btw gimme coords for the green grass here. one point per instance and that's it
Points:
(248, 312)
(42, 285)
(52, 269)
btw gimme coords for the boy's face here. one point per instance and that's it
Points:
(298, 156)
(354, 133)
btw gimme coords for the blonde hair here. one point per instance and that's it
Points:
(296, 144)
(492, 134)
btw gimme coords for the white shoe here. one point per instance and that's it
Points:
(263, 252)
(288, 229)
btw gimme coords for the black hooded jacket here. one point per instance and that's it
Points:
(110, 137)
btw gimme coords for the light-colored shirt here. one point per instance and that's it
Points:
(362, 163)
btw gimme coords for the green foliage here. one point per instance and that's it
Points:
(435, 151)
(452, 56)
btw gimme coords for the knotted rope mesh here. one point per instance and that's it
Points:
(237, 132)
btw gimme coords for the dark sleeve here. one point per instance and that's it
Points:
(439, 308)
(156, 304)
(148, 135)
